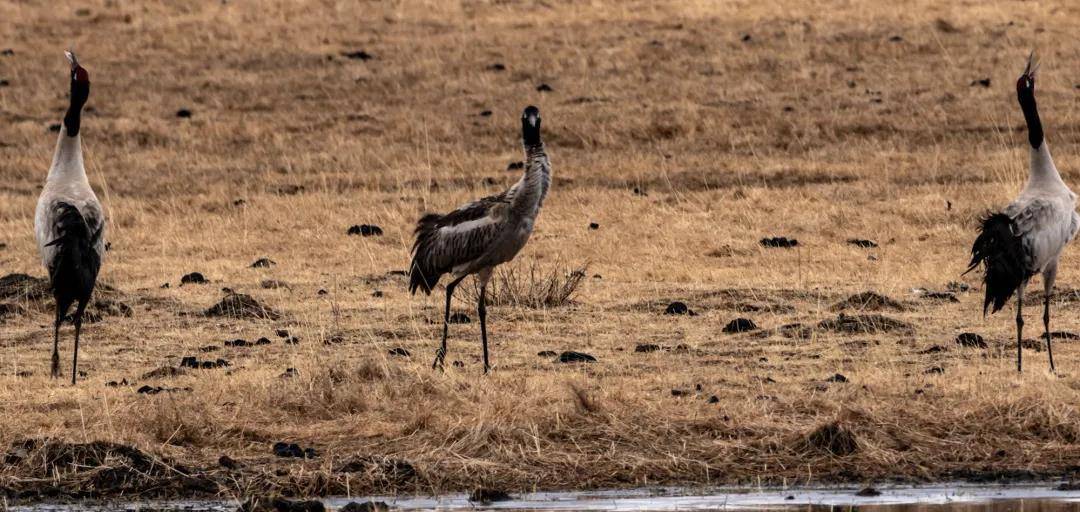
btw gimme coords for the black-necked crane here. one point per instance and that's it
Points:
(1027, 237)
(480, 235)
(69, 223)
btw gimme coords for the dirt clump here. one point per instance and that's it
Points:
(833, 438)
(865, 324)
(241, 306)
(868, 301)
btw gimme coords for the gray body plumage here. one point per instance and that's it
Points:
(1044, 215)
(66, 183)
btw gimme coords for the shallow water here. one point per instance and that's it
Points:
(956, 498)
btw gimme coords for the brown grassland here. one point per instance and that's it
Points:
(734, 120)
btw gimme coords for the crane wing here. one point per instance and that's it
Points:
(444, 242)
(1044, 227)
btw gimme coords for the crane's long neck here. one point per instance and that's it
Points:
(67, 161)
(1043, 170)
(537, 177)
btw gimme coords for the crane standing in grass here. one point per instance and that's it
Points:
(1028, 236)
(69, 222)
(480, 235)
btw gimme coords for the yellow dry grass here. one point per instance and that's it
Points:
(830, 121)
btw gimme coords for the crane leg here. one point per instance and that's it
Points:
(78, 329)
(1020, 328)
(482, 310)
(440, 354)
(1048, 287)
(56, 343)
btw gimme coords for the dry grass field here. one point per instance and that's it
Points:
(687, 131)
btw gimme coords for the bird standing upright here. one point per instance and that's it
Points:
(1028, 236)
(69, 223)
(480, 235)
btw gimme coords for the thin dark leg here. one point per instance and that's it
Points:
(1046, 327)
(440, 355)
(482, 309)
(56, 343)
(1019, 330)
(78, 330)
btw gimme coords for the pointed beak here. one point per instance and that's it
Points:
(71, 58)
(1032, 65)
(532, 120)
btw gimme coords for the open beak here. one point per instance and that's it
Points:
(1032, 66)
(71, 58)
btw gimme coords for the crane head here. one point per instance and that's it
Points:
(530, 125)
(78, 73)
(1025, 85)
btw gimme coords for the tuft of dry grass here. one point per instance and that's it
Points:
(686, 131)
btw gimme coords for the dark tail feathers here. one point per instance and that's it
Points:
(75, 269)
(422, 272)
(1002, 254)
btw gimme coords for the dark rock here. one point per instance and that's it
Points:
(358, 55)
(485, 496)
(7, 52)
(262, 341)
(645, 348)
(4, 82)
(365, 230)
(593, 225)
(399, 351)
(865, 324)
(779, 241)
(575, 357)
(678, 308)
(933, 350)
(282, 333)
(859, 242)
(868, 301)
(837, 378)
(459, 318)
(1062, 335)
(290, 190)
(293, 340)
(740, 325)
(498, 66)
(228, 462)
(833, 438)
(543, 88)
(680, 392)
(367, 506)
(970, 339)
(896, 39)
(239, 342)
(238, 305)
(189, 362)
(746, 38)
(868, 492)
(153, 390)
(985, 82)
(183, 113)
(377, 294)
(934, 370)
(263, 263)
(458, 364)
(957, 287)
(289, 373)
(485, 113)
(193, 278)
(282, 449)
(546, 353)
(115, 384)
(713, 400)
(639, 192)
(322, 292)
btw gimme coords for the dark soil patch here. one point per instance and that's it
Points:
(263, 263)
(945, 296)
(868, 492)
(837, 378)
(367, 506)
(644, 348)
(934, 370)
(934, 350)
(8, 309)
(23, 288)
(970, 339)
(399, 351)
(381, 469)
(279, 504)
(360, 55)
(546, 353)
(575, 357)
(193, 278)
(865, 324)
(486, 496)
(868, 301)
(195, 363)
(161, 373)
(460, 318)
(779, 241)
(833, 438)
(740, 325)
(1063, 335)
(153, 390)
(241, 306)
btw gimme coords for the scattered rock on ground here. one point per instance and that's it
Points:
(183, 113)
(543, 88)
(263, 263)
(740, 325)
(867, 492)
(163, 372)
(279, 504)
(934, 370)
(399, 351)
(934, 295)
(283, 449)
(358, 55)
(678, 308)
(239, 305)
(645, 348)
(546, 353)
(195, 363)
(868, 301)
(859, 242)
(228, 462)
(21, 288)
(571, 356)
(970, 339)
(837, 378)
(779, 241)
(933, 350)
(365, 230)
(153, 390)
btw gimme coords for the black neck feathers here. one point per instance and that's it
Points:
(80, 91)
(1026, 96)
